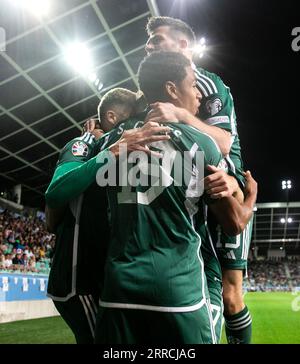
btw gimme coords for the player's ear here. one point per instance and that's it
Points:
(183, 43)
(111, 117)
(171, 90)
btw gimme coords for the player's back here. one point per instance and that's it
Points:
(154, 257)
(81, 235)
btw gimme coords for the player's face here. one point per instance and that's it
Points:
(160, 40)
(189, 97)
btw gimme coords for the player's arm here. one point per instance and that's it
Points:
(165, 112)
(219, 184)
(73, 178)
(232, 215)
(91, 127)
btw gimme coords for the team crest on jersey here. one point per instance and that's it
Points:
(214, 106)
(79, 149)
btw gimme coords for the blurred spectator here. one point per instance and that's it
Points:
(18, 258)
(8, 261)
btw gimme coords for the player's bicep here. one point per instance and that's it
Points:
(217, 107)
(64, 168)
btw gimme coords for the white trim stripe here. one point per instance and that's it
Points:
(204, 284)
(90, 308)
(133, 306)
(207, 82)
(211, 322)
(75, 242)
(247, 323)
(61, 299)
(93, 303)
(83, 136)
(87, 315)
(241, 318)
(212, 84)
(75, 207)
(203, 83)
(200, 86)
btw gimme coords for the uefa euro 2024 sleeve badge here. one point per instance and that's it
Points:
(79, 149)
(214, 106)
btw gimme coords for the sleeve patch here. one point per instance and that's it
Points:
(218, 120)
(214, 106)
(80, 149)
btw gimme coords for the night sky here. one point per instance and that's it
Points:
(250, 49)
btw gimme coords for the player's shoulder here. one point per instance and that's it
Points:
(86, 140)
(79, 147)
(191, 135)
(210, 81)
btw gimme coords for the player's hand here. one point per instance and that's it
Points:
(139, 139)
(219, 184)
(162, 112)
(250, 185)
(93, 126)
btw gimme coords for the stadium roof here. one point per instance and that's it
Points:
(277, 225)
(43, 100)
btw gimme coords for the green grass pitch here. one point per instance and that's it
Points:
(274, 322)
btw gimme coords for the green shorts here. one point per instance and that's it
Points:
(217, 308)
(130, 326)
(80, 312)
(233, 251)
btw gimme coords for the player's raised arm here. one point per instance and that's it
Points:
(232, 215)
(165, 112)
(73, 178)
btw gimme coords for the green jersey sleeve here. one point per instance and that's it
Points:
(75, 171)
(217, 106)
(188, 137)
(77, 150)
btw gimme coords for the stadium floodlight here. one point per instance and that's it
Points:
(92, 77)
(286, 184)
(37, 7)
(200, 48)
(78, 56)
(282, 220)
(289, 220)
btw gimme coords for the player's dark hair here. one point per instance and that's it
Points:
(118, 99)
(176, 25)
(158, 68)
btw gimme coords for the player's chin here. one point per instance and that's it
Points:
(196, 112)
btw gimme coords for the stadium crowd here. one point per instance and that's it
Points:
(25, 245)
(271, 275)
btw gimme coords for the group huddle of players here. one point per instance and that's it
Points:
(154, 263)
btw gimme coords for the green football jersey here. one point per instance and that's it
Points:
(154, 259)
(82, 236)
(217, 108)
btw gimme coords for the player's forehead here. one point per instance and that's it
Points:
(163, 31)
